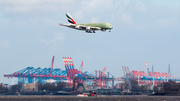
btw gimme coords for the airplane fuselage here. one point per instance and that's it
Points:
(88, 27)
(100, 25)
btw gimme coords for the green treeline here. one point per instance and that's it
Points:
(51, 87)
(18, 88)
(170, 87)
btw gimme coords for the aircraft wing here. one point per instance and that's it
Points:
(80, 27)
(89, 28)
(96, 28)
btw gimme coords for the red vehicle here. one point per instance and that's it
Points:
(90, 94)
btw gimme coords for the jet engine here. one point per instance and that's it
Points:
(88, 28)
(77, 27)
(103, 30)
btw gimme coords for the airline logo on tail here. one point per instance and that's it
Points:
(70, 19)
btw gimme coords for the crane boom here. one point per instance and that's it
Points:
(124, 71)
(81, 67)
(147, 68)
(104, 70)
(52, 65)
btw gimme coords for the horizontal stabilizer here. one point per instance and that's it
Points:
(63, 24)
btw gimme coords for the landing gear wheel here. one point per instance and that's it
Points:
(88, 31)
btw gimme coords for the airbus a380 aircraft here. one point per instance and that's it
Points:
(88, 27)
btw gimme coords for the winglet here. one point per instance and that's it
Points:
(70, 19)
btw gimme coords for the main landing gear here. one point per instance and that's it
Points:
(89, 31)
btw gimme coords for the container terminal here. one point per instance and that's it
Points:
(81, 81)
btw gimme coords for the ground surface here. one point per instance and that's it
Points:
(99, 98)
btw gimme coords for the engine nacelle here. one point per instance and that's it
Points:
(88, 28)
(77, 27)
(103, 30)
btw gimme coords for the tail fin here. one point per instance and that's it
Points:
(70, 19)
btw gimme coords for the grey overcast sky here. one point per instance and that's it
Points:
(144, 31)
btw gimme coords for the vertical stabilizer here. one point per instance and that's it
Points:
(70, 19)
